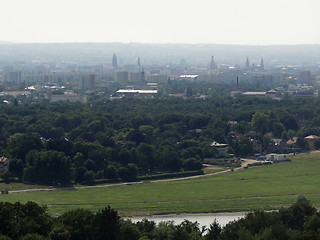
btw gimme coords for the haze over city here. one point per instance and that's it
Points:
(159, 120)
(245, 22)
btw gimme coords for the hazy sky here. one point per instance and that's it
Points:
(254, 22)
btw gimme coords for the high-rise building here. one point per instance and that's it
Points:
(134, 77)
(114, 61)
(13, 77)
(87, 82)
(122, 76)
(262, 79)
(137, 77)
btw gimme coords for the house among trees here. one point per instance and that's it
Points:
(273, 94)
(278, 144)
(231, 123)
(292, 140)
(234, 135)
(313, 141)
(221, 147)
(256, 146)
(4, 164)
(276, 157)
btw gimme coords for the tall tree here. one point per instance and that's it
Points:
(107, 224)
(49, 167)
(20, 144)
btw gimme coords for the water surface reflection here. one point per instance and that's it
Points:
(203, 220)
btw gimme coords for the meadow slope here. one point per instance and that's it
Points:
(264, 187)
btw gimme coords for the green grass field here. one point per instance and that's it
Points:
(264, 187)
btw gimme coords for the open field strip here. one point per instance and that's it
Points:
(265, 187)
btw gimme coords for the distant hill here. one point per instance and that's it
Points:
(5, 42)
(127, 53)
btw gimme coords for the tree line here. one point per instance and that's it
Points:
(31, 221)
(62, 143)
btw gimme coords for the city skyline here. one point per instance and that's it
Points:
(245, 22)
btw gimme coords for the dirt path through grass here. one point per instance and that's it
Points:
(244, 164)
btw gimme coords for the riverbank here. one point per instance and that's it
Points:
(203, 219)
(166, 215)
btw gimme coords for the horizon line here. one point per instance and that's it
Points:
(3, 42)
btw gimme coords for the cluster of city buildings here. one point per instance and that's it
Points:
(135, 80)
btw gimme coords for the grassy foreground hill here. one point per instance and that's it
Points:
(264, 187)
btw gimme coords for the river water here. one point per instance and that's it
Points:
(203, 220)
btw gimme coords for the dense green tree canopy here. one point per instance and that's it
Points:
(156, 135)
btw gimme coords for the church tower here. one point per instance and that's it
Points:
(143, 76)
(261, 65)
(247, 63)
(212, 63)
(138, 63)
(114, 61)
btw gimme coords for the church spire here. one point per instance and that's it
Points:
(212, 63)
(114, 61)
(247, 63)
(138, 62)
(261, 65)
